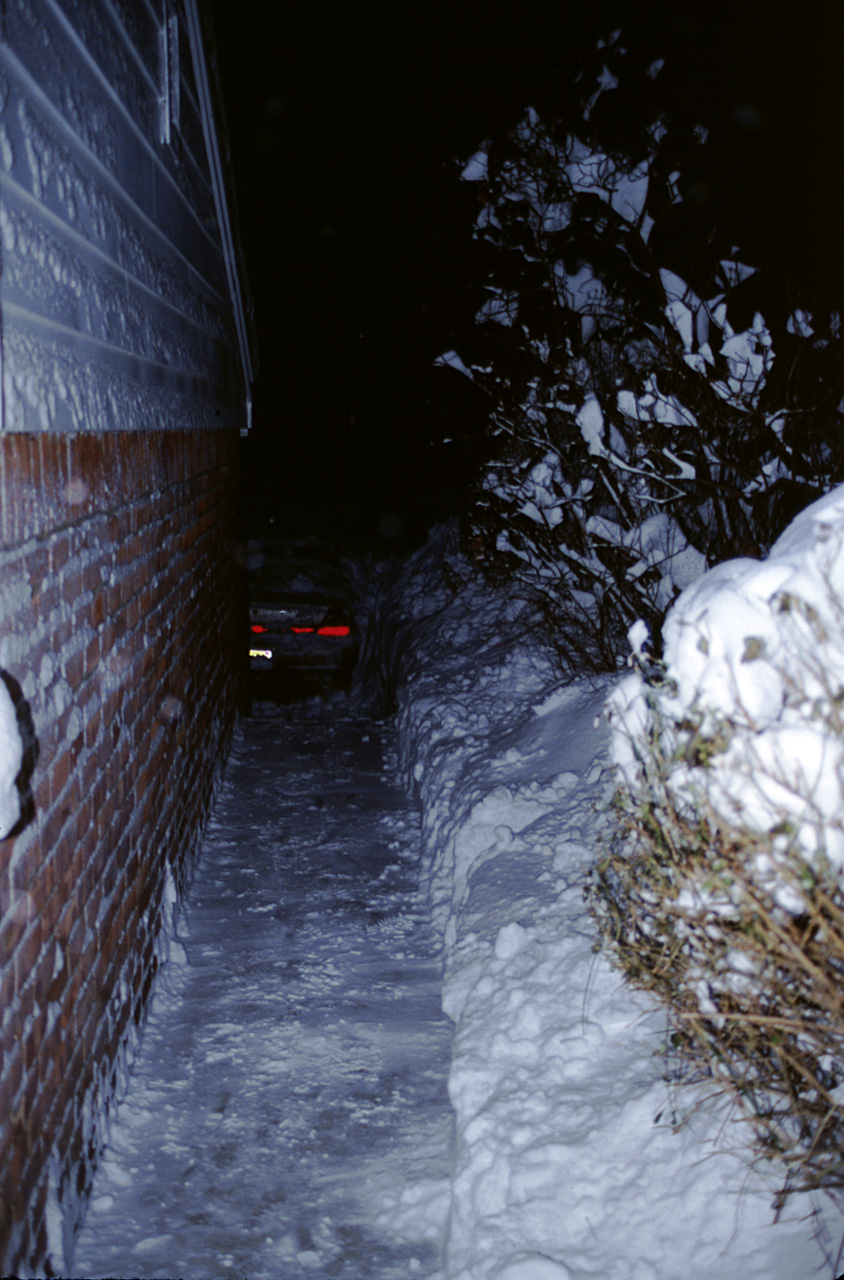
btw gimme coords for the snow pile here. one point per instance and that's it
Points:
(567, 1164)
(11, 758)
(754, 654)
(725, 896)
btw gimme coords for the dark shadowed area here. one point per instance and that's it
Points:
(347, 124)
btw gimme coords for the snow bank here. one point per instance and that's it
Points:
(567, 1164)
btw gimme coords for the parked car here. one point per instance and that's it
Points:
(300, 611)
(304, 634)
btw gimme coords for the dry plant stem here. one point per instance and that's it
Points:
(774, 1039)
(760, 1018)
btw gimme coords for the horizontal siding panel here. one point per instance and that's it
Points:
(188, 73)
(141, 22)
(190, 144)
(172, 195)
(115, 299)
(192, 130)
(55, 273)
(58, 380)
(49, 164)
(135, 75)
(134, 79)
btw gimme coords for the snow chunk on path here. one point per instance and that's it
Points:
(11, 758)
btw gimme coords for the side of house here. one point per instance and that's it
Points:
(126, 365)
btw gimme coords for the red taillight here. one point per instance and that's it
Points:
(333, 631)
(258, 629)
(301, 631)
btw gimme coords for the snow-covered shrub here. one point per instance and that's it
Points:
(400, 600)
(646, 420)
(724, 890)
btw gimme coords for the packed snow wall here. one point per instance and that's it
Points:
(120, 625)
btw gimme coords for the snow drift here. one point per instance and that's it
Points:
(723, 894)
(568, 1162)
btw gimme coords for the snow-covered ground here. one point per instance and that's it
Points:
(569, 1161)
(293, 1069)
(573, 1157)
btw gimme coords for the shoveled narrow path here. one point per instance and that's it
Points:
(292, 1076)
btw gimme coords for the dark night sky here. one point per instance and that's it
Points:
(346, 122)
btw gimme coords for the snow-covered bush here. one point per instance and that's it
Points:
(647, 421)
(724, 890)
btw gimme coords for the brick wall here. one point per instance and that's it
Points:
(120, 613)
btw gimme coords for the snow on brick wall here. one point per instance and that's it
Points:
(120, 622)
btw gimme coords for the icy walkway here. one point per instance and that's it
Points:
(294, 1070)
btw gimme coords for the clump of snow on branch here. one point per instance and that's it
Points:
(619, 392)
(754, 652)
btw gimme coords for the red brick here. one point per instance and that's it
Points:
(12, 930)
(83, 859)
(27, 954)
(74, 670)
(12, 1078)
(71, 585)
(62, 633)
(31, 1046)
(59, 553)
(59, 775)
(53, 825)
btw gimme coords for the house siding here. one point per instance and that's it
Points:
(121, 610)
(116, 306)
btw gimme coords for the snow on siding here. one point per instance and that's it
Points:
(115, 301)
